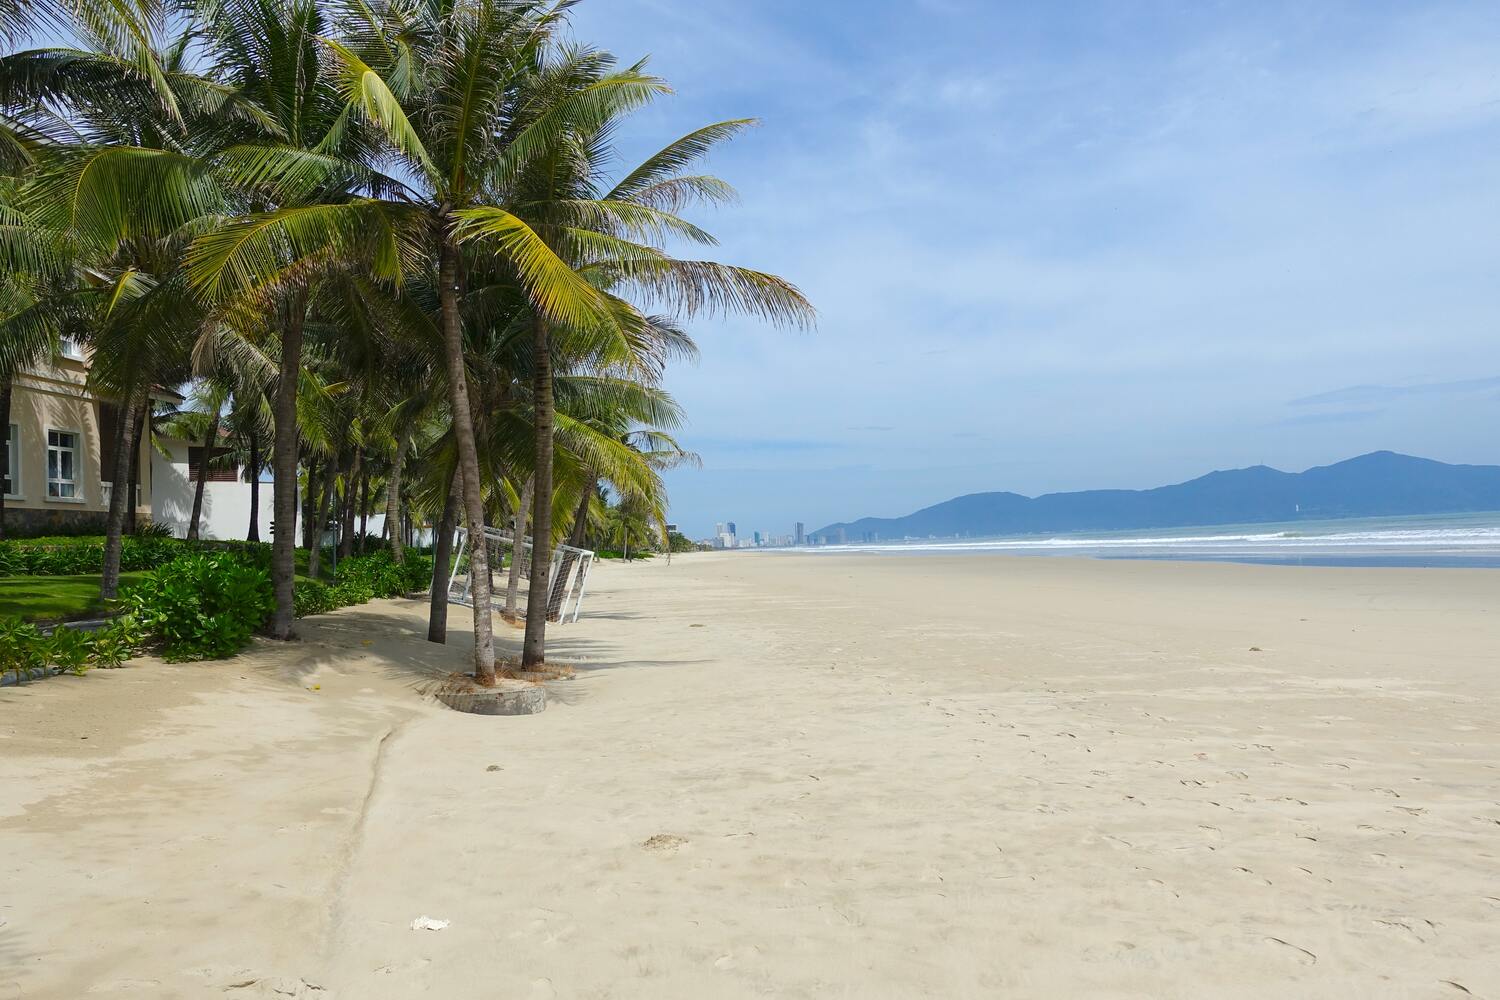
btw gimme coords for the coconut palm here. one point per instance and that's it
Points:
(33, 312)
(121, 187)
(439, 82)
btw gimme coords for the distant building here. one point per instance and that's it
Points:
(757, 539)
(732, 529)
(800, 535)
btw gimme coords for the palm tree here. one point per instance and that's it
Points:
(119, 184)
(31, 316)
(611, 235)
(439, 82)
(505, 145)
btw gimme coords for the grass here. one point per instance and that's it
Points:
(54, 598)
(63, 598)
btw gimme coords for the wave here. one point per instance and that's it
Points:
(1484, 537)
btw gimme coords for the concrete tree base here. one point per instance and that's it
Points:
(507, 697)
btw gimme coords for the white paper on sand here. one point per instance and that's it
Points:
(426, 923)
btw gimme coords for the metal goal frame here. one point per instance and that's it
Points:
(567, 573)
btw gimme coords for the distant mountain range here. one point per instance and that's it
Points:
(1380, 484)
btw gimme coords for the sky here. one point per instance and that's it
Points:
(1066, 246)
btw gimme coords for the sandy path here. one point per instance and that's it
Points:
(797, 776)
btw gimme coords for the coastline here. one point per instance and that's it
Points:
(806, 776)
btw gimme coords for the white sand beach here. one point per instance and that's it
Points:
(792, 776)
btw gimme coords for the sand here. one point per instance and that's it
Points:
(793, 776)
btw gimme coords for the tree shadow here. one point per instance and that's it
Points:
(394, 636)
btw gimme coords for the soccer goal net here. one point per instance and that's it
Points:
(511, 571)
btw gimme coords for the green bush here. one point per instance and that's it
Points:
(383, 576)
(25, 651)
(312, 598)
(20, 647)
(360, 579)
(62, 556)
(203, 605)
(70, 649)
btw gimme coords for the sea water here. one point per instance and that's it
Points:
(1446, 540)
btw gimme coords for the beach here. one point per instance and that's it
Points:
(792, 775)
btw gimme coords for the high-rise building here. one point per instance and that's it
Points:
(799, 536)
(757, 539)
(732, 530)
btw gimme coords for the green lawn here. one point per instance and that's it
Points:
(54, 598)
(50, 598)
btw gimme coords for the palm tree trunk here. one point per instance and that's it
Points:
(393, 503)
(5, 390)
(534, 653)
(575, 539)
(109, 582)
(364, 508)
(132, 484)
(310, 500)
(208, 450)
(284, 471)
(351, 503)
(320, 522)
(468, 463)
(581, 518)
(253, 535)
(442, 555)
(518, 536)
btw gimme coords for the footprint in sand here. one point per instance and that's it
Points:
(415, 965)
(1300, 955)
(1422, 930)
(125, 986)
(664, 843)
(276, 986)
(1157, 883)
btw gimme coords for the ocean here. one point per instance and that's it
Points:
(1424, 540)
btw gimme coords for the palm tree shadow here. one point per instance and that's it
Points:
(394, 636)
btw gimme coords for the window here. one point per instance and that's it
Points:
(62, 465)
(219, 469)
(70, 348)
(13, 469)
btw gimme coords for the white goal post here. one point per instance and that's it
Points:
(567, 575)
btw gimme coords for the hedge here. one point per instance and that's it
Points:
(62, 556)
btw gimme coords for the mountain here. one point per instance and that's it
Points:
(1381, 483)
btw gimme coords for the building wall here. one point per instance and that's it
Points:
(226, 506)
(54, 397)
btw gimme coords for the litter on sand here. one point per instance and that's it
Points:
(426, 923)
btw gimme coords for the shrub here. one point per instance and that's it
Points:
(204, 605)
(359, 579)
(24, 650)
(19, 641)
(312, 598)
(71, 649)
(149, 548)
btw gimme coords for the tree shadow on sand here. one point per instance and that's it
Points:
(393, 637)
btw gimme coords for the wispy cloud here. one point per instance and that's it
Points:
(1334, 417)
(1388, 393)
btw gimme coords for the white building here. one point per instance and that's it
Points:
(226, 496)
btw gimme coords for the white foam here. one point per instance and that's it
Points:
(1484, 538)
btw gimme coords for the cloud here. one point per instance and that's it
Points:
(763, 444)
(1389, 393)
(1335, 417)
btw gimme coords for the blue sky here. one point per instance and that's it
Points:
(1061, 246)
